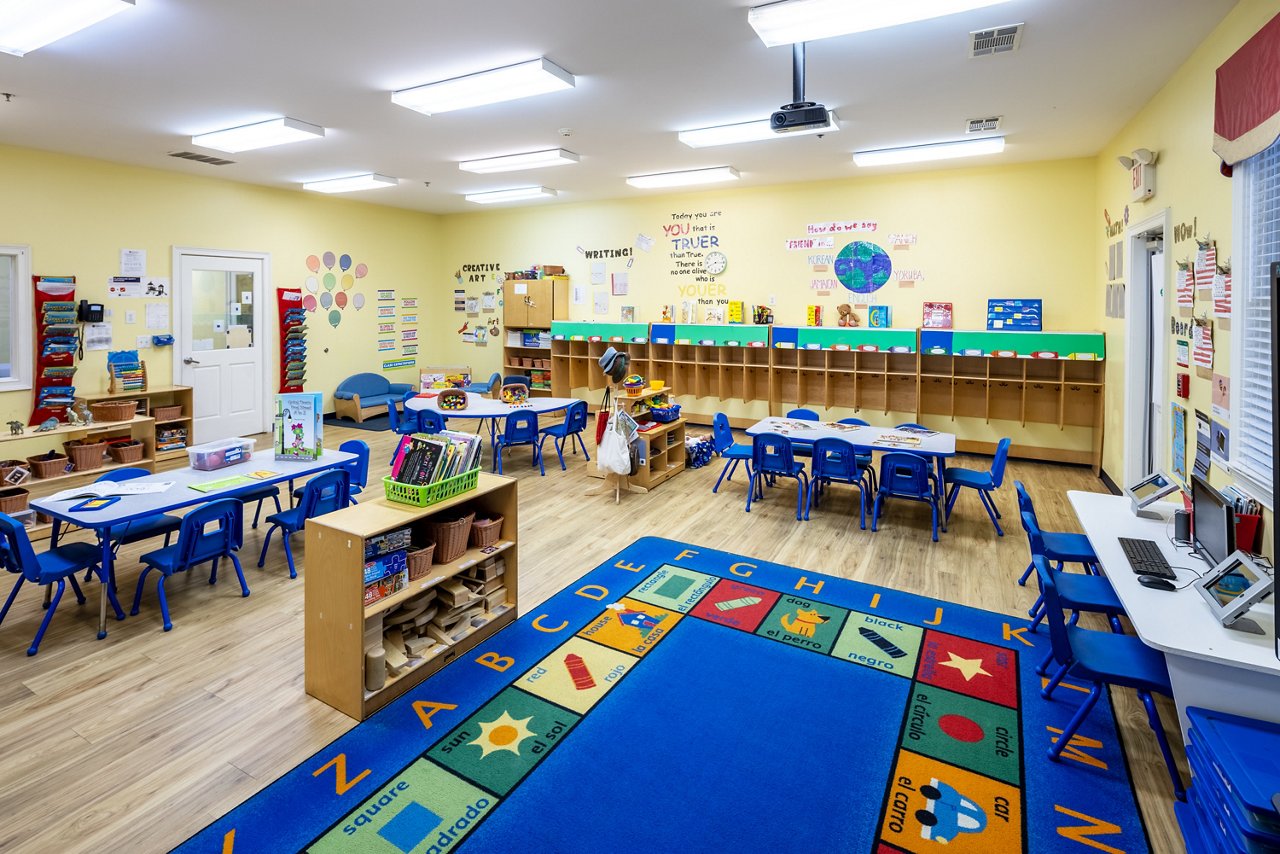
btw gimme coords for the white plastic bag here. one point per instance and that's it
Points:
(613, 456)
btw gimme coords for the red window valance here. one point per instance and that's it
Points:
(1246, 116)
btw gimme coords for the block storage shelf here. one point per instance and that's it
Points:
(333, 603)
(167, 428)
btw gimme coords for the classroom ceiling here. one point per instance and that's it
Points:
(135, 88)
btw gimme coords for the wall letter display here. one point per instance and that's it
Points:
(57, 339)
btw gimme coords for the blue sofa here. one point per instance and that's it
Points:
(364, 395)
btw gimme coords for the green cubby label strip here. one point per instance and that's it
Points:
(855, 337)
(1065, 344)
(589, 329)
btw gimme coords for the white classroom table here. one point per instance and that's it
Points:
(176, 497)
(482, 407)
(1209, 666)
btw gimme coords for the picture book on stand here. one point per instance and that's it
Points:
(299, 426)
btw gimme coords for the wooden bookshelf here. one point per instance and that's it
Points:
(151, 399)
(335, 614)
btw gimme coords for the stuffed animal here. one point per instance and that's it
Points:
(847, 317)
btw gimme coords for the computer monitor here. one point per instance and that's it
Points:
(1213, 522)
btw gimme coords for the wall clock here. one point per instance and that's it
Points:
(714, 263)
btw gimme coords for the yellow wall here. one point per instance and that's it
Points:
(77, 214)
(1178, 123)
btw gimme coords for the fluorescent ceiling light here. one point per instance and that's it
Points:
(516, 195)
(749, 132)
(793, 21)
(935, 151)
(29, 24)
(515, 162)
(369, 181)
(714, 175)
(260, 135)
(525, 79)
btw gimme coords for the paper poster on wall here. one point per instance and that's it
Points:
(157, 314)
(1202, 444)
(578, 295)
(1014, 314)
(124, 286)
(97, 336)
(1220, 444)
(1222, 293)
(386, 345)
(937, 315)
(133, 262)
(469, 337)
(1183, 353)
(601, 302)
(386, 311)
(1178, 447)
(597, 272)
(1184, 281)
(386, 328)
(408, 335)
(459, 300)
(473, 305)
(1206, 263)
(408, 302)
(390, 295)
(644, 243)
(1221, 396)
(620, 284)
(488, 301)
(628, 314)
(409, 350)
(1202, 348)
(408, 318)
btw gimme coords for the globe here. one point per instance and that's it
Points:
(863, 267)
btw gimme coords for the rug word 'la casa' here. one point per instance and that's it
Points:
(678, 698)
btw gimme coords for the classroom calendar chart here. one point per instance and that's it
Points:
(299, 426)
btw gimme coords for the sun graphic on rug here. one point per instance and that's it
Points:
(504, 733)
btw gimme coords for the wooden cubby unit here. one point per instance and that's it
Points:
(151, 399)
(333, 602)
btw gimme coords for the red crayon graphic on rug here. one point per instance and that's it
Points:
(578, 672)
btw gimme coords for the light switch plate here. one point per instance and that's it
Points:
(130, 317)
(144, 342)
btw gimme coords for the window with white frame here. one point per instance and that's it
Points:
(1257, 244)
(15, 317)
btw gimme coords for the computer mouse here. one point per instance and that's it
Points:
(1155, 582)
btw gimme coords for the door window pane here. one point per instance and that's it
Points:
(221, 310)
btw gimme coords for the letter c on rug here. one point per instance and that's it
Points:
(537, 625)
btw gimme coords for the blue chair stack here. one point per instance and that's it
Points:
(209, 533)
(570, 429)
(732, 453)
(1098, 659)
(57, 566)
(983, 482)
(521, 428)
(1233, 803)
(906, 475)
(771, 457)
(324, 493)
(835, 460)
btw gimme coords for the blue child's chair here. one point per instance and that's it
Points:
(58, 565)
(521, 429)
(803, 414)
(359, 468)
(984, 482)
(1058, 547)
(835, 460)
(430, 421)
(209, 533)
(771, 456)
(495, 380)
(324, 493)
(570, 429)
(139, 529)
(732, 453)
(906, 475)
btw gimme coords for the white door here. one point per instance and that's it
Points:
(1159, 332)
(218, 348)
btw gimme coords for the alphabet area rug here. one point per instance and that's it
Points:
(678, 698)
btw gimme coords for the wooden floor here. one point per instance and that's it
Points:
(136, 742)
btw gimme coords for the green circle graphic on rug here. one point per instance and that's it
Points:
(863, 267)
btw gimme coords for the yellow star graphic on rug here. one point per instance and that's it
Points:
(504, 733)
(970, 667)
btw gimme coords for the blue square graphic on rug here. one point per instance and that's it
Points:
(410, 827)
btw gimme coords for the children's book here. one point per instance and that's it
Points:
(896, 439)
(102, 489)
(879, 317)
(299, 426)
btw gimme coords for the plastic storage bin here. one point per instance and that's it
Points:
(216, 455)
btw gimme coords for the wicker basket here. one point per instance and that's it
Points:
(167, 413)
(126, 452)
(86, 456)
(13, 499)
(485, 532)
(7, 467)
(450, 537)
(420, 561)
(51, 464)
(114, 410)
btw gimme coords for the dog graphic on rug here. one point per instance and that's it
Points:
(804, 623)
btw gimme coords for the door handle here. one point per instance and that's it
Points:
(189, 361)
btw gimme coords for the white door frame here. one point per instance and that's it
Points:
(264, 311)
(1138, 360)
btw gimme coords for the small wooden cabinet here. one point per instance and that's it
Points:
(171, 407)
(531, 305)
(336, 616)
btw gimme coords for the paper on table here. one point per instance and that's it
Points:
(221, 483)
(105, 488)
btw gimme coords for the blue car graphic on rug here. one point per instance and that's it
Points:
(948, 813)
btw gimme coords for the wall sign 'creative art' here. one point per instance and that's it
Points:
(863, 267)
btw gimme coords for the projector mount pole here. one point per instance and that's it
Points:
(797, 73)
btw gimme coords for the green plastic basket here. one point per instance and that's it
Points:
(432, 493)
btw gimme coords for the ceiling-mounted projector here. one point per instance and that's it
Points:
(805, 115)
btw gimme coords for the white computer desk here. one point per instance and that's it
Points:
(1209, 666)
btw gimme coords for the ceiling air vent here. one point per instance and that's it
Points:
(201, 158)
(995, 40)
(983, 125)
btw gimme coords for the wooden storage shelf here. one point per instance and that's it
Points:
(153, 398)
(333, 602)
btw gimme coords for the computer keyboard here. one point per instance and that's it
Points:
(1145, 558)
